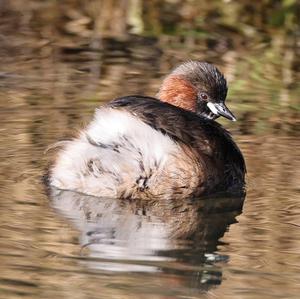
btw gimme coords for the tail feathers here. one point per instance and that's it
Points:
(118, 155)
(101, 170)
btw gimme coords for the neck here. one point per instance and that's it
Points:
(177, 91)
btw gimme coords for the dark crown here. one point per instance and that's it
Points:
(204, 76)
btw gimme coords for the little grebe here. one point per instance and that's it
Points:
(170, 147)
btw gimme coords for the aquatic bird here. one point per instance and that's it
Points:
(168, 147)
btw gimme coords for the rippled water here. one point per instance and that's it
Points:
(61, 244)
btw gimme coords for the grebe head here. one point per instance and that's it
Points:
(199, 87)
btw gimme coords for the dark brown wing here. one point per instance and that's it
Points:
(206, 136)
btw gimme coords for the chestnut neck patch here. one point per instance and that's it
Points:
(179, 92)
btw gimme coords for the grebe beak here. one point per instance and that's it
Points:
(221, 109)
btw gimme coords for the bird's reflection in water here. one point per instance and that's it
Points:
(152, 236)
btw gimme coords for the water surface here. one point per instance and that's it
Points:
(57, 244)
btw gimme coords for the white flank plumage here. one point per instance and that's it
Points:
(117, 150)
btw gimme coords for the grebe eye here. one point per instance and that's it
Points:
(203, 96)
